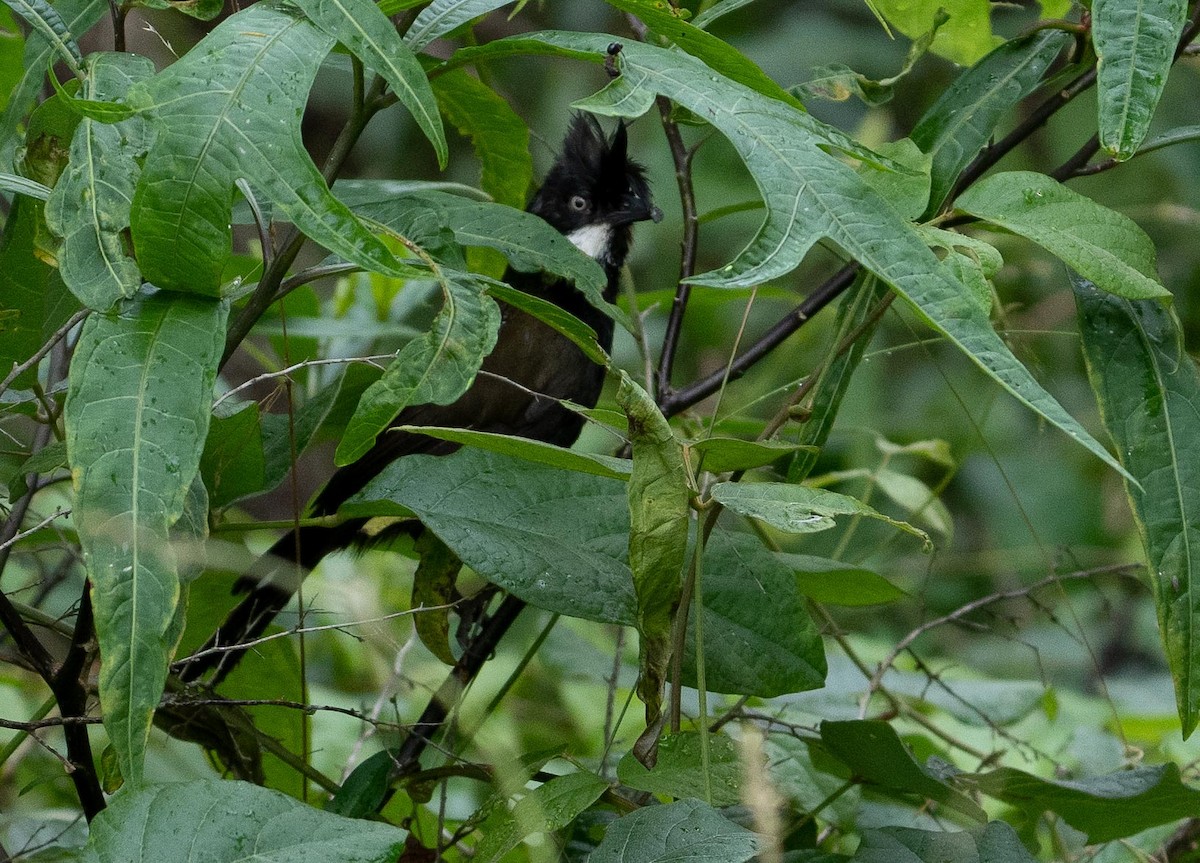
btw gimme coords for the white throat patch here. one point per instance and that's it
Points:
(595, 241)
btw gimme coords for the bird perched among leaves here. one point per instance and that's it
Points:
(593, 195)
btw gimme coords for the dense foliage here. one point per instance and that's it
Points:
(878, 547)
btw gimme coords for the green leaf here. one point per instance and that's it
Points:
(917, 500)
(370, 36)
(1100, 244)
(547, 808)
(1135, 44)
(554, 316)
(838, 81)
(965, 38)
(231, 821)
(137, 413)
(1148, 389)
(48, 24)
(22, 186)
(530, 450)
(680, 769)
(798, 508)
(89, 207)
(233, 465)
(809, 194)
(433, 586)
(876, 755)
(79, 16)
(1104, 807)
(659, 516)
(498, 134)
(961, 122)
(436, 367)
(688, 830)
(717, 10)
(442, 16)
(766, 643)
(725, 454)
(33, 300)
(837, 583)
(529, 243)
(230, 108)
(974, 262)
(996, 842)
(907, 193)
(202, 10)
(365, 788)
(557, 539)
(716, 53)
(1178, 135)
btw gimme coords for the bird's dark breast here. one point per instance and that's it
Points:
(516, 392)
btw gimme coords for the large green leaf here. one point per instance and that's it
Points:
(441, 16)
(761, 640)
(1103, 245)
(995, 842)
(557, 539)
(716, 53)
(1135, 44)
(658, 536)
(529, 243)
(231, 108)
(1104, 807)
(688, 830)
(370, 36)
(232, 822)
(436, 367)
(137, 413)
(876, 755)
(961, 122)
(89, 207)
(498, 134)
(809, 194)
(1148, 390)
(682, 771)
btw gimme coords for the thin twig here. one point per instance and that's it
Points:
(57, 514)
(284, 372)
(962, 611)
(243, 646)
(58, 336)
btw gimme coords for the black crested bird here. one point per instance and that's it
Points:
(593, 194)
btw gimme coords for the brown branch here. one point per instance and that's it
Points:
(682, 157)
(697, 391)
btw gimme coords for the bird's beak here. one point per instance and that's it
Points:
(643, 212)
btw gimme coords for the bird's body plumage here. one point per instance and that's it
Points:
(593, 194)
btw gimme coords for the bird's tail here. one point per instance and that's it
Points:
(269, 585)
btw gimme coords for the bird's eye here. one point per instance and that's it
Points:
(579, 203)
